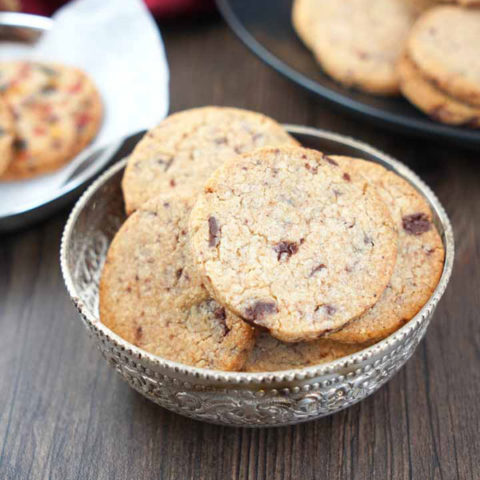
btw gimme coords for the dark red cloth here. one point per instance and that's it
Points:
(159, 8)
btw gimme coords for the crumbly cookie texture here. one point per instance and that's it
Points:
(186, 148)
(291, 242)
(424, 94)
(57, 112)
(358, 42)
(444, 45)
(419, 262)
(270, 354)
(6, 136)
(152, 296)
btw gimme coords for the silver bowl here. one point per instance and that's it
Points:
(231, 398)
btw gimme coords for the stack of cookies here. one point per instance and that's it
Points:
(428, 52)
(440, 69)
(245, 251)
(48, 114)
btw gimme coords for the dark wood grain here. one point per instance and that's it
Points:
(64, 414)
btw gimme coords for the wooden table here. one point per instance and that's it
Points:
(64, 414)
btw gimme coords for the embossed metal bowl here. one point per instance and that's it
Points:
(230, 398)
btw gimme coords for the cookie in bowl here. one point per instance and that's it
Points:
(152, 296)
(270, 354)
(419, 261)
(291, 242)
(186, 148)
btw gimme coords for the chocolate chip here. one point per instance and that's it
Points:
(347, 177)
(20, 144)
(312, 169)
(289, 248)
(178, 273)
(316, 269)
(259, 310)
(331, 161)
(138, 334)
(219, 313)
(368, 240)
(416, 223)
(330, 309)
(213, 232)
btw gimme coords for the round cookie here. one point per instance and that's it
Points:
(444, 45)
(57, 112)
(270, 354)
(151, 295)
(6, 136)
(357, 42)
(286, 240)
(186, 148)
(419, 262)
(432, 101)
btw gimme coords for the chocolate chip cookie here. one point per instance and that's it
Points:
(270, 354)
(185, 149)
(358, 42)
(419, 261)
(292, 242)
(57, 111)
(444, 46)
(423, 93)
(152, 296)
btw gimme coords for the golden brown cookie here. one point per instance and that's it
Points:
(152, 296)
(444, 46)
(419, 261)
(358, 42)
(185, 149)
(270, 354)
(291, 242)
(57, 112)
(6, 136)
(424, 94)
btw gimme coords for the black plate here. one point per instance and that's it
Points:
(265, 27)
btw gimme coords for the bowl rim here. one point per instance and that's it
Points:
(384, 346)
